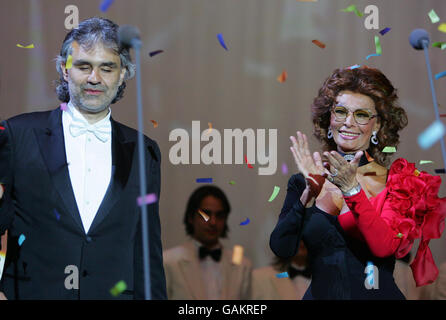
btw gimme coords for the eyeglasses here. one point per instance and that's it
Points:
(361, 116)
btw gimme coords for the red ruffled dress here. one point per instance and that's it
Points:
(407, 209)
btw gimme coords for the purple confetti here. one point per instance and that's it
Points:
(384, 31)
(147, 199)
(284, 169)
(63, 106)
(204, 180)
(154, 53)
(56, 214)
(222, 41)
(105, 5)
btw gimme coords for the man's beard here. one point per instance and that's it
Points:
(79, 101)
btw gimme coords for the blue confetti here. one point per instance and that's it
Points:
(244, 223)
(204, 180)
(56, 214)
(373, 55)
(21, 239)
(222, 41)
(355, 66)
(282, 275)
(105, 5)
(432, 134)
(384, 31)
(440, 75)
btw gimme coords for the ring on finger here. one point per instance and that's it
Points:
(335, 173)
(330, 178)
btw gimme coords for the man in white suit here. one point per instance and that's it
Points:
(268, 283)
(202, 268)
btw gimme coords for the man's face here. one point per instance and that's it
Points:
(95, 77)
(209, 232)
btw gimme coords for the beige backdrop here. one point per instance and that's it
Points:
(196, 79)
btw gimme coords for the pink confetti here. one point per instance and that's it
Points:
(63, 106)
(147, 199)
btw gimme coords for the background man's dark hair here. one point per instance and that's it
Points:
(87, 34)
(193, 204)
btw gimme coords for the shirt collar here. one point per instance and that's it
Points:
(76, 115)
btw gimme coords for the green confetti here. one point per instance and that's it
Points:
(353, 8)
(232, 182)
(399, 235)
(433, 16)
(274, 194)
(389, 149)
(379, 50)
(425, 161)
(118, 288)
(441, 45)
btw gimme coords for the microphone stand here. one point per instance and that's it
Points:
(136, 43)
(434, 96)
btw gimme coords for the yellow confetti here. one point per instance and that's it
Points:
(31, 46)
(69, 63)
(204, 215)
(442, 27)
(237, 255)
(416, 172)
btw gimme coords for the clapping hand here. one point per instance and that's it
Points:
(343, 173)
(310, 166)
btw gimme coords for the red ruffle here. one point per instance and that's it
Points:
(419, 214)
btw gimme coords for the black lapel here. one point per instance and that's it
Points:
(52, 146)
(122, 157)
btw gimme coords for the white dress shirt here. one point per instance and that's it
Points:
(212, 274)
(89, 164)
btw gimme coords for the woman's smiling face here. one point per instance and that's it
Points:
(349, 135)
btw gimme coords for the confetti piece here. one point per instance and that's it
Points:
(440, 75)
(369, 157)
(69, 63)
(2, 128)
(378, 46)
(443, 115)
(433, 16)
(284, 169)
(274, 194)
(57, 214)
(282, 275)
(249, 166)
(372, 55)
(389, 149)
(237, 255)
(441, 45)
(21, 239)
(353, 8)
(355, 66)
(425, 161)
(155, 124)
(440, 170)
(370, 174)
(31, 46)
(63, 106)
(105, 5)
(244, 223)
(232, 182)
(210, 127)
(154, 53)
(431, 135)
(204, 180)
(384, 31)
(442, 27)
(147, 199)
(118, 288)
(399, 235)
(221, 40)
(204, 215)
(319, 44)
(416, 172)
(282, 77)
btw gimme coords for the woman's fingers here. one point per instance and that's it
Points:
(305, 146)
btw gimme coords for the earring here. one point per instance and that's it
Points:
(329, 134)
(374, 139)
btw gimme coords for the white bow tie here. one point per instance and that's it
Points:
(102, 131)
